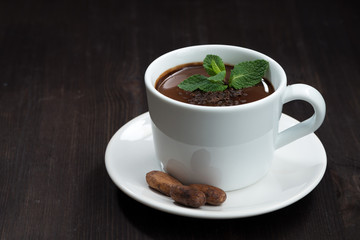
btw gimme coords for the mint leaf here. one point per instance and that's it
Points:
(218, 77)
(203, 83)
(213, 64)
(247, 74)
(192, 83)
(213, 87)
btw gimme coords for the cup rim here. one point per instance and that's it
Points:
(188, 106)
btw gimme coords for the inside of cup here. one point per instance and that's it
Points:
(230, 54)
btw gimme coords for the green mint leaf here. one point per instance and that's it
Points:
(203, 83)
(213, 64)
(247, 74)
(218, 77)
(192, 83)
(213, 87)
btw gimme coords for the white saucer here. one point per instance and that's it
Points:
(296, 170)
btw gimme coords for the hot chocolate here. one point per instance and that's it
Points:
(168, 82)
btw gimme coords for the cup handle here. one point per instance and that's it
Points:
(307, 94)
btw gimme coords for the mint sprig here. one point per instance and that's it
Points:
(243, 75)
(213, 64)
(215, 67)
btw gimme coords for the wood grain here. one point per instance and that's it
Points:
(71, 74)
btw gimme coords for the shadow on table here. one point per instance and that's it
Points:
(160, 225)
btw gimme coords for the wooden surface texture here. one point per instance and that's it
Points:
(71, 74)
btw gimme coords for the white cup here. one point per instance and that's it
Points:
(229, 147)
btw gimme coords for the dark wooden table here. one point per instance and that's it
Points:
(71, 74)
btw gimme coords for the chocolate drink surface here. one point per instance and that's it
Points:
(168, 82)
